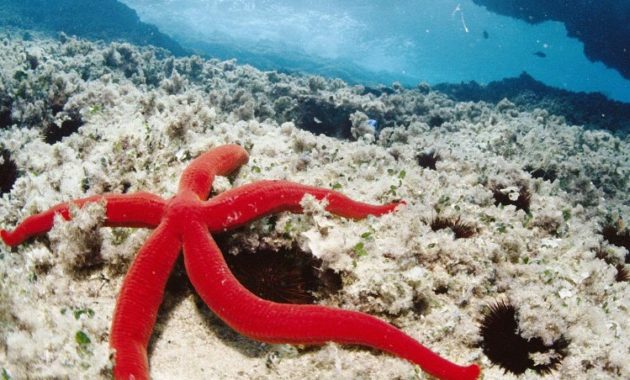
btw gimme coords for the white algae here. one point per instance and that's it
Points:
(143, 115)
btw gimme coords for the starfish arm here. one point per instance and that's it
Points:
(298, 324)
(255, 200)
(133, 210)
(138, 303)
(199, 174)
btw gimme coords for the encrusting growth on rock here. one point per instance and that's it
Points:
(186, 221)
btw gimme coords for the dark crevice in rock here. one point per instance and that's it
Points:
(5, 111)
(548, 174)
(322, 117)
(616, 234)
(54, 133)
(8, 172)
(286, 275)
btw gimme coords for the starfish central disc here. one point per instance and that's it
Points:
(184, 206)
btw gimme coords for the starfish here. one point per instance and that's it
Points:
(185, 222)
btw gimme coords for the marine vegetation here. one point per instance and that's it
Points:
(185, 221)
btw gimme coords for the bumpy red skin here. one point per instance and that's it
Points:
(186, 220)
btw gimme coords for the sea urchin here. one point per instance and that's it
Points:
(428, 159)
(504, 346)
(521, 201)
(460, 229)
(616, 234)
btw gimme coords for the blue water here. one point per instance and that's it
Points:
(382, 41)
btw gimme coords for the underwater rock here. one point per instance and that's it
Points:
(593, 110)
(432, 284)
(108, 20)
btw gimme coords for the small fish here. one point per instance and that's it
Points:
(540, 54)
(485, 35)
(316, 120)
(373, 123)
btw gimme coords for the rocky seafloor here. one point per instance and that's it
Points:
(513, 232)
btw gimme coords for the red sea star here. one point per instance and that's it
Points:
(186, 221)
